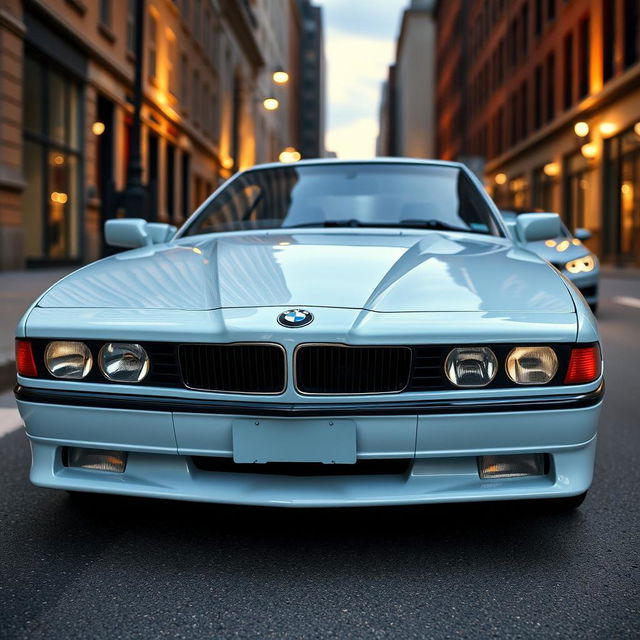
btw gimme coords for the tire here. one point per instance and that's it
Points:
(564, 505)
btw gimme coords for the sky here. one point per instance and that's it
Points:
(359, 46)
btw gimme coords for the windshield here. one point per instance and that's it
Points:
(350, 195)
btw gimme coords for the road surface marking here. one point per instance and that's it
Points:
(9, 421)
(628, 301)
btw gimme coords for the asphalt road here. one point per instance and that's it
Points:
(151, 569)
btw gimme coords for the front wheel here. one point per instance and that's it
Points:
(564, 505)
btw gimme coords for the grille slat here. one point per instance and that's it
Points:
(233, 368)
(339, 369)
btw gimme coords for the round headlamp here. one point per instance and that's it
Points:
(532, 365)
(471, 366)
(123, 362)
(68, 359)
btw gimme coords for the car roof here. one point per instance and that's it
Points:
(339, 161)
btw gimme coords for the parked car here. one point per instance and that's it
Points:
(322, 334)
(567, 254)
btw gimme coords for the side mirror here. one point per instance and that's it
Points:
(582, 234)
(532, 227)
(132, 233)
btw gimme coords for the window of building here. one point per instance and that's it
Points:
(525, 28)
(538, 17)
(631, 32)
(206, 111)
(196, 25)
(545, 189)
(568, 70)
(131, 26)
(608, 39)
(105, 12)
(52, 159)
(550, 87)
(195, 108)
(524, 111)
(581, 208)
(551, 10)
(171, 62)
(170, 182)
(153, 46)
(184, 82)
(584, 58)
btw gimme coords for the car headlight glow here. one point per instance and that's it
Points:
(532, 365)
(581, 265)
(68, 359)
(471, 366)
(123, 362)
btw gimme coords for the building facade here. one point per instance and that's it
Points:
(312, 81)
(66, 82)
(546, 93)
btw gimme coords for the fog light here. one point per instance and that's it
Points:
(516, 466)
(96, 459)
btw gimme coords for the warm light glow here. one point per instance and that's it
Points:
(552, 169)
(97, 128)
(589, 150)
(636, 128)
(563, 246)
(196, 250)
(501, 178)
(59, 197)
(576, 242)
(290, 154)
(271, 104)
(550, 243)
(581, 129)
(227, 162)
(58, 159)
(626, 189)
(280, 77)
(607, 128)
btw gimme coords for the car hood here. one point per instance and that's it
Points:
(376, 271)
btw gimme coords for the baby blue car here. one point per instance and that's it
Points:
(318, 334)
(567, 254)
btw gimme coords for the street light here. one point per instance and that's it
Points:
(290, 154)
(271, 103)
(581, 129)
(280, 76)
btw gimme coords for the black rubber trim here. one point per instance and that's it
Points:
(397, 407)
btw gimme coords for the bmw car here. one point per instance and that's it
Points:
(318, 334)
(567, 254)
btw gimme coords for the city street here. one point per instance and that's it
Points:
(129, 568)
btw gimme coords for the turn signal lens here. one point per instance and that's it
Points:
(471, 366)
(532, 365)
(67, 359)
(123, 362)
(96, 459)
(25, 362)
(585, 365)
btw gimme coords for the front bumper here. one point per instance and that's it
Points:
(442, 440)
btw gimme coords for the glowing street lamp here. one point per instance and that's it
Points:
(290, 154)
(581, 129)
(280, 76)
(271, 104)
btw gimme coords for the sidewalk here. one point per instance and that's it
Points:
(18, 289)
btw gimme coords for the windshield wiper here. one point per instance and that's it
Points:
(409, 224)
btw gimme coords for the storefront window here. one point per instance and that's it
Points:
(581, 205)
(623, 196)
(51, 163)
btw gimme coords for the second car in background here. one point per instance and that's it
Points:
(569, 256)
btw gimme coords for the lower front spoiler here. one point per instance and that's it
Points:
(430, 480)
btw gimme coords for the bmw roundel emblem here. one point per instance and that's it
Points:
(295, 318)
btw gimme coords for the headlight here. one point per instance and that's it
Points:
(581, 265)
(70, 360)
(471, 366)
(532, 365)
(123, 362)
